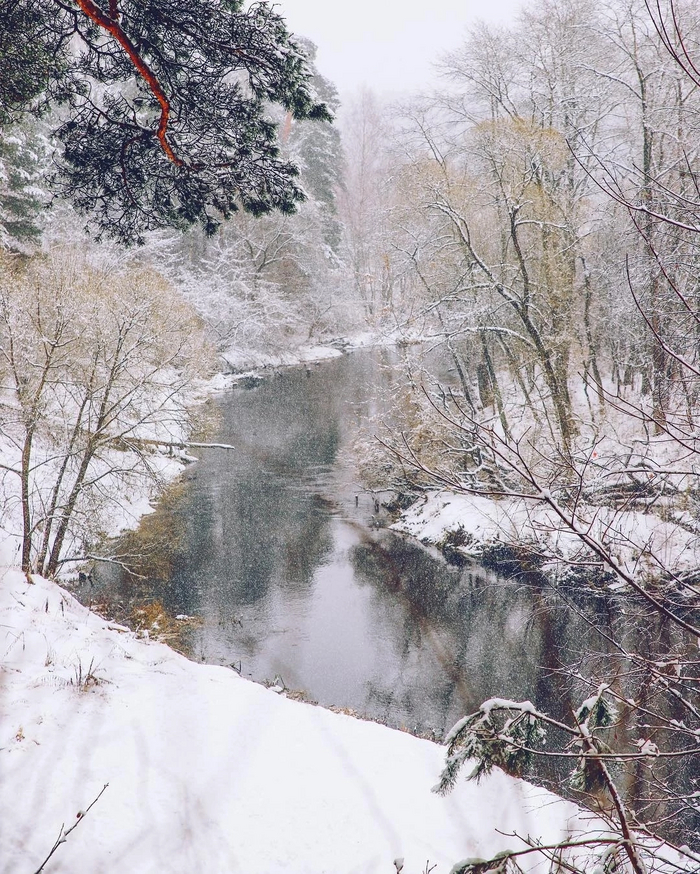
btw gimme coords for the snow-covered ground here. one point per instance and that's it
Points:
(245, 362)
(635, 490)
(210, 772)
(644, 544)
(128, 502)
(239, 362)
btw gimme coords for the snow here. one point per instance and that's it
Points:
(126, 498)
(207, 771)
(246, 362)
(507, 704)
(647, 747)
(238, 360)
(642, 543)
(590, 703)
(210, 772)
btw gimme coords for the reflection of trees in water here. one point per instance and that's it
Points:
(467, 636)
(463, 637)
(639, 658)
(267, 527)
(290, 422)
(151, 552)
(252, 525)
(615, 639)
(250, 534)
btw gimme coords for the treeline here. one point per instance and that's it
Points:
(539, 226)
(522, 208)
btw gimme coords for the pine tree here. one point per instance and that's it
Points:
(167, 106)
(24, 155)
(318, 151)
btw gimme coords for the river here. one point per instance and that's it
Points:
(279, 552)
(293, 579)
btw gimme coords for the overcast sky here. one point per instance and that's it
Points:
(386, 44)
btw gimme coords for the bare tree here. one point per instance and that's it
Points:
(93, 360)
(506, 204)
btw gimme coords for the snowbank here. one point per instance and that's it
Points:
(239, 360)
(244, 362)
(642, 543)
(210, 772)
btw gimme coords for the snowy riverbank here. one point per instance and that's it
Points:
(125, 496)
(240, 363)
(210, 772)
(512, 529)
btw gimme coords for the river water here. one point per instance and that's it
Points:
(277, 549)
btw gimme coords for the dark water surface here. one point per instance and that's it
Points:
(292, 577)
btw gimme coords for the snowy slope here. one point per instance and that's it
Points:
(211, 773)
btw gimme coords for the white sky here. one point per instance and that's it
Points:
(388, 45)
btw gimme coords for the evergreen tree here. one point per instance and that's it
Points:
(167, 105)
(318, 151)
(23, 161)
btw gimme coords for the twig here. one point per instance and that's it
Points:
(63, 833)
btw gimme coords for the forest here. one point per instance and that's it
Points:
(182, 193)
